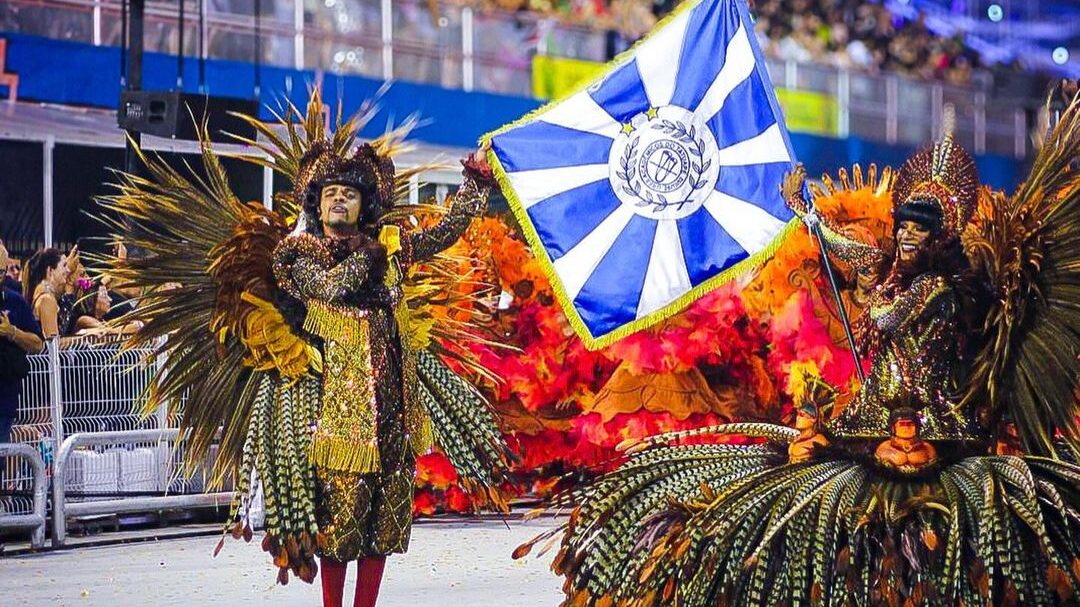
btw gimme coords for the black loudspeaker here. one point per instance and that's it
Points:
(170, 113)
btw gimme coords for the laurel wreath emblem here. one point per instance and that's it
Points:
(698, 167)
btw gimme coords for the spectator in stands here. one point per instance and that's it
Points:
(13, 276)
(46, 275)
(81, 312)
(19, 335)
(121, 299)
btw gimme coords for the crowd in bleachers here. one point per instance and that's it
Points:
(856, 34)
(853, 34)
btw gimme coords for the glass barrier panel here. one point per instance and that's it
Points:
(816, 78)
(344, 36)
(576, 43)
(343, 18)
(357, 57)
(414, 23)
(57, 20)
(913, 132)
(420, 64)
(503, 77)
(868, 90)
(867, 123)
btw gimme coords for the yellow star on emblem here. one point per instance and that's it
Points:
(627, 128)
(652, 113)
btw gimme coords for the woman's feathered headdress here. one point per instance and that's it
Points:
(944, 176)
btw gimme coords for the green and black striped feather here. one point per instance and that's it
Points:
(705, 525)
(464, 428)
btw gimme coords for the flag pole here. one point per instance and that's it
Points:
(813, 222)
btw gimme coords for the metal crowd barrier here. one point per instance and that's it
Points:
(65, 465)
(35, 519)
(80, 426)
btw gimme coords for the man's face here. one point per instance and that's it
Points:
(339, 207)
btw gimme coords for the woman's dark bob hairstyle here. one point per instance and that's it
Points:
(923, 212)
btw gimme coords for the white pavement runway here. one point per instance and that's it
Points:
(449, 564)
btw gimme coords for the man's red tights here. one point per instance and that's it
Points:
(368, 580)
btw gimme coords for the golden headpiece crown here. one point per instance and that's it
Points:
(943, 175)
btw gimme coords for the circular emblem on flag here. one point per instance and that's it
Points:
(662, 165)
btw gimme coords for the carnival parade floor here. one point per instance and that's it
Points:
(449, 564)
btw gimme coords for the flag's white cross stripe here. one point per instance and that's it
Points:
(582, 113)
(540, 184)
(738, 65)
(580, 262)
(768, 146)
(654, 60)
(750, 225)
(666, 277)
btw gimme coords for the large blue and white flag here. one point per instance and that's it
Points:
(657, 182)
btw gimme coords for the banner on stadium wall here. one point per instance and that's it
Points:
(809, 112)
(804, 111)
(554, 77)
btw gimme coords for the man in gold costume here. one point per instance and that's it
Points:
(295, 340)
(344, 266)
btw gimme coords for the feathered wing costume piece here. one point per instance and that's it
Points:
(1029, 246)
(700, 525)
(704, 525)
(212, 309)
(202, 250)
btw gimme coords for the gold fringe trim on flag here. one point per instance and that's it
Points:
(344, 454)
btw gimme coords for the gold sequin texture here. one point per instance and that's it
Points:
(910, 329)
(371, 514)
(915, 365)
